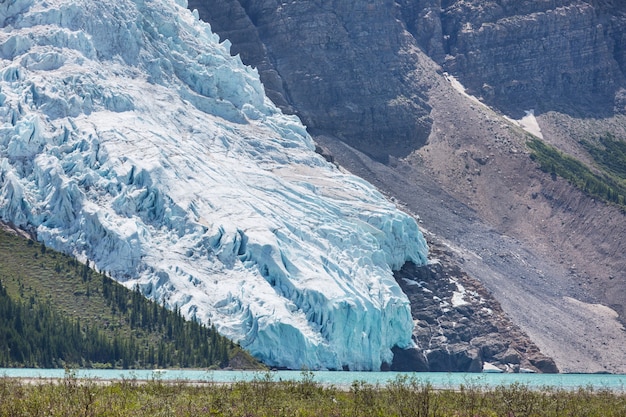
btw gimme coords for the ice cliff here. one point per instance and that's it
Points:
(131, 138)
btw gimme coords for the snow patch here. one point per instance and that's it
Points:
(528, 123)
(458, 296)
(491, 368)
(456, 84)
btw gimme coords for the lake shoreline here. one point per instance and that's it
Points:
(337, 379)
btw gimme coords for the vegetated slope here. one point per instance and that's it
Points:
(57, 312)
(551, 253)
(607, 186)
(130, 137)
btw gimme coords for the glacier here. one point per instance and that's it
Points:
(132, 139)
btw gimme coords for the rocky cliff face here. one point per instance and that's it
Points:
(459, 325)
(517, 55)
(343, 67)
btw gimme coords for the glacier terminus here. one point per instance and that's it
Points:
(130, 138)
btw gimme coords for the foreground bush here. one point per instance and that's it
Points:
(266, 397)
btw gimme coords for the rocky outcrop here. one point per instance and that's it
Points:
(516, 55)
(459, 326)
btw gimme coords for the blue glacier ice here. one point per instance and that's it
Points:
(131, 138)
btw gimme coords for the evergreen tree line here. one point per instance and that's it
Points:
(609, 154)
(606, 187)
(34, 334)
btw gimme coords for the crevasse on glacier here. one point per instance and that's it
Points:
(130, 137)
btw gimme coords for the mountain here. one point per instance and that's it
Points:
(132, 140)
(436, 102)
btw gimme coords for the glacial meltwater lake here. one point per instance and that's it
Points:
(440, 380)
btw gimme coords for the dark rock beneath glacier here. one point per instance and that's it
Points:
(408, 360)
(544, 364)
(455, 358)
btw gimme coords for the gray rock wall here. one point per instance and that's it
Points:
(347, 67)
(548, 55)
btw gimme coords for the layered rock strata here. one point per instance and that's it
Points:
(345, 67)
(564, 55)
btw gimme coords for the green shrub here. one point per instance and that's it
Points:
(266, 397)
(607, 187)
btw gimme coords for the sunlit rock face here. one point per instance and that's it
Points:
(130, 137)
(564, 55)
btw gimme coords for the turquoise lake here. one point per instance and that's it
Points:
(340, 379)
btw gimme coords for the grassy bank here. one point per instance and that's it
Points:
(266, 397)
